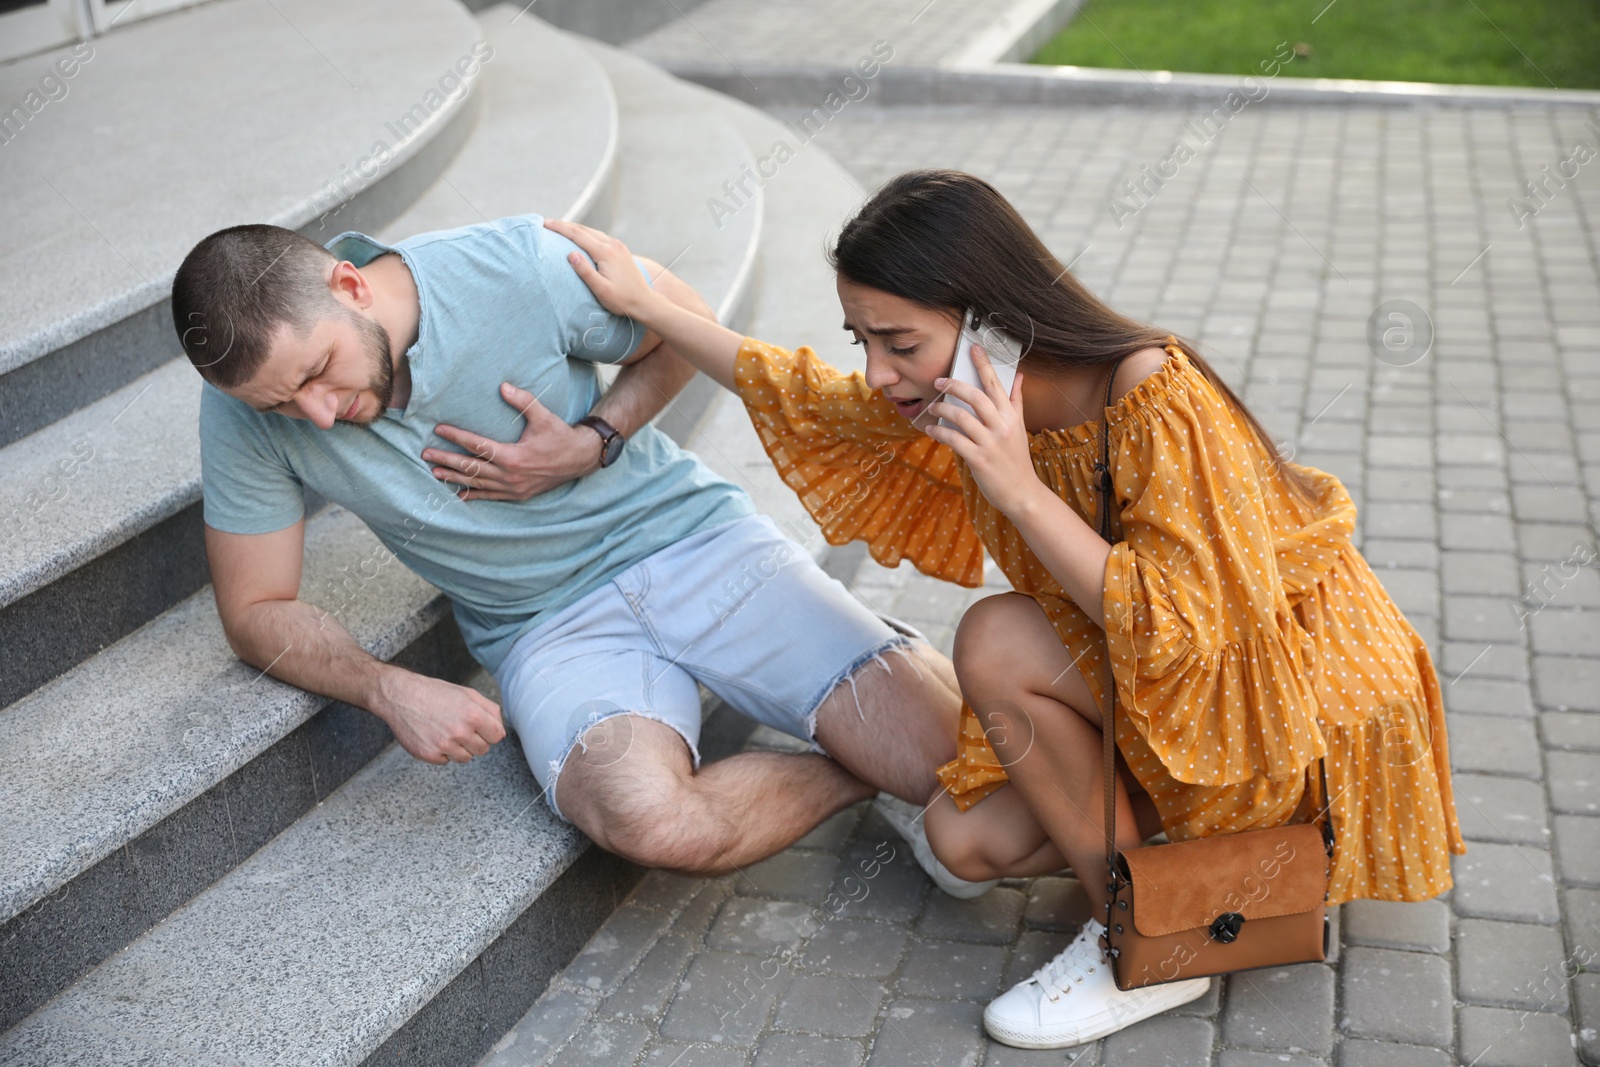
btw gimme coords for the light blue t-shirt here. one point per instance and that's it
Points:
(499, 302)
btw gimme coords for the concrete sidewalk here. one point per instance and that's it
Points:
(1283, 239)
(748, 35)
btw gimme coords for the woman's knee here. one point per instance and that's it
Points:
(985, 844)
(958, 849)
(986, 653)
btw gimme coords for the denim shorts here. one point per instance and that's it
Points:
(738, 608)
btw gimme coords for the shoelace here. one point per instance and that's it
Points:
(1066, 970)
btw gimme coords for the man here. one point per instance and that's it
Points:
(599, 601)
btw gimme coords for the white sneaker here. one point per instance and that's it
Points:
(1074, 999)
(907, 822)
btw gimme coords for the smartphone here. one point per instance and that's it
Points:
(1002, 350)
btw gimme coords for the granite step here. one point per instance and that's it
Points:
(546, 137)
(676, 145)
(134, 780)
(808, 199)
(404, 920)
(660, 210)
(103, 505)
(282, 105)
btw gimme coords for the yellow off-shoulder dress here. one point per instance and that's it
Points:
(1247, 634)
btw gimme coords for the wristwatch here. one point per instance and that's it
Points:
(611, 441)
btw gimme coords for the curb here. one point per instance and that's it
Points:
(1018, 33)
(1026, 83)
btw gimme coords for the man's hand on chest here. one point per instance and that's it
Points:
(549, 453)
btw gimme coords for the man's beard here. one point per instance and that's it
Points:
(375, 339)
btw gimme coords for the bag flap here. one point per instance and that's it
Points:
(1258, 873)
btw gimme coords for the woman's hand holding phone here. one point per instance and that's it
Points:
(991, 438)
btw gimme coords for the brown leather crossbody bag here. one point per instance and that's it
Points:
(1215, 904)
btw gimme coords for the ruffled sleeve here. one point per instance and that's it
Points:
(1308, 551)
(859, 467)
(1209, 661)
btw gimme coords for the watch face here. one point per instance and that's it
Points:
(613, 449)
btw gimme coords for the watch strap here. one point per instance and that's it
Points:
(608, 433)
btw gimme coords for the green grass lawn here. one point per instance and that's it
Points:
(1545, 43)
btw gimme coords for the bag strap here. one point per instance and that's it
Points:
(1108, 732)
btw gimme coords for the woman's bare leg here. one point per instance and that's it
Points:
(1042, 720)
(1000, 837)
(997, 838)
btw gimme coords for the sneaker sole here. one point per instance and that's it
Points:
(965, 890)
(1163, 998)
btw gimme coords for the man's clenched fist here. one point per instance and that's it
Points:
(438, 721)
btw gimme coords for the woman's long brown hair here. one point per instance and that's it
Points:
(949, 241)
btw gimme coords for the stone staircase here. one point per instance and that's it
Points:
(198, 863)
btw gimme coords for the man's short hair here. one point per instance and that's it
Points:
(236, 289)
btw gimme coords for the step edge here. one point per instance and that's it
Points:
(290, 705)
(139, 899)
(25, 348)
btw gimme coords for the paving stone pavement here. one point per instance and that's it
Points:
(838, 32)
(1472, 448)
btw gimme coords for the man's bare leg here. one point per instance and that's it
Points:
(635, 792)
(632, 787)
(897, 724)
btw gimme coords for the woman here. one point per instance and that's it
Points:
(1247, 636)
